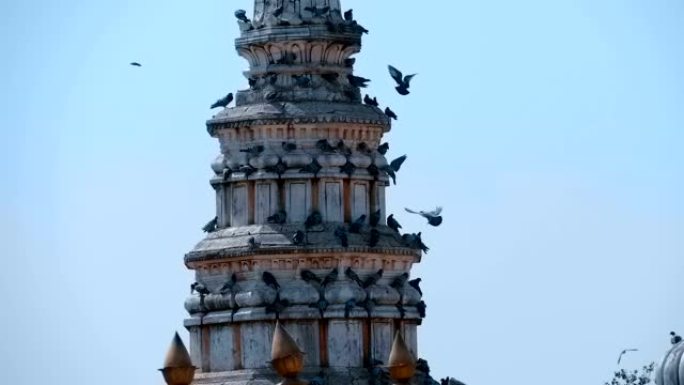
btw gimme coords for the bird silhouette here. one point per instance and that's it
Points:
(341, 234)
(299, 238)
(625, 352)
(289, 147)
(223, 102)
(278, 218)
(415, 283)
(383, 148)
(356, 226)
(358, 81)
(312, 168)
(403, 82)
(351, 274)
(330, 277)
(312, 220)
(675, 338)
(211, 226)
(375, 218)
(270, 280)
(318, 12)
(136, 64)
(349, 15)
(241, 15)
(371, 102)
(374, 238)
(373, 278)
(393, 224)
(394, 167)
(228, 286)
(308, 276)
(399, 282)
(390, 114)
(432, 217)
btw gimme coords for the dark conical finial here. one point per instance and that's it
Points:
(178, 368)
(401, 364)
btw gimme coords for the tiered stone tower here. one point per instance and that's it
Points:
(301, 94)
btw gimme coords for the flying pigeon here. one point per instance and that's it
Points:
(402, 81)
(433, 217)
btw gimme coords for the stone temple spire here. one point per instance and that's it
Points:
(301, 234)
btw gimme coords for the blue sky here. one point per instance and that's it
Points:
(551, 132)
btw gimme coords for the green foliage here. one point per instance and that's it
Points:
(624, 377)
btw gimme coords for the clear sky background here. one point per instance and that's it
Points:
(551, 132)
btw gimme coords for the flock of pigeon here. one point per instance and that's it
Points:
(278, 305)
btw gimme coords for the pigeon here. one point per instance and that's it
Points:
(331, 77)
(341, 234)
(136, 64)
(356, 226)
(433, 217)
(375, 218)
(358, 81)
(374, 238)
(278, 11)
(373, 279)
(371, 102)
(312, 220)
(358, 28)
(402, 311)
(353, 276)
(390, 114)
(373, 170)
(279, 168)
(241, 15)
(211, 226)
(415, 283)
(247, 170)
(399, 282)
(312, 168)
(675, 338)
(421, 306)
(287, 58)
(318, 12)
(349, 15)
(343, 149)
(308, 276)
(278, 218)
(415, 241)
(227, 172)
(394, 166)
(298, 238)
(321, 305)
(325, 146)
(402, 81)
(348, 168)
(330, 278)
(625, 352)
(223, 102)
(367, 304)
(363, 148)
(383, 148)
(228, 286)
(254, 151)
(252, 243)
(393, 224)
(348, 307)
(349, 62)
(199, 288)
(289, 147)
(270, 280)
(302, 81)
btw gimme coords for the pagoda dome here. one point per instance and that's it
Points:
(670, 369)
